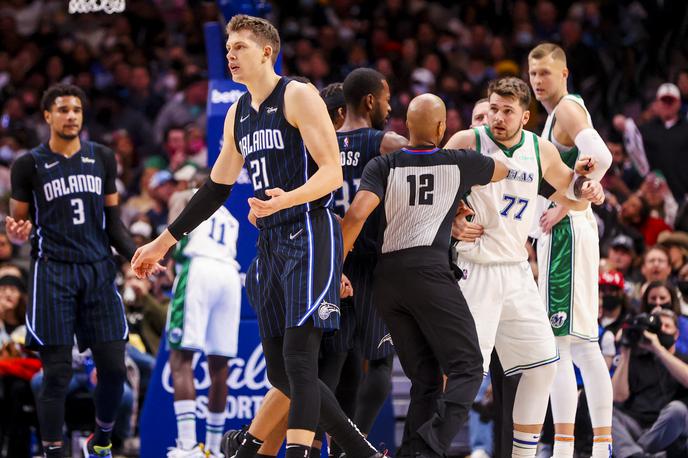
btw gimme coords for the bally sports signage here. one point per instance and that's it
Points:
(247, 382)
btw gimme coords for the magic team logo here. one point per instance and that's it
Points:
(326, 309)
(386, 338)
(558, 319)
(346, 142)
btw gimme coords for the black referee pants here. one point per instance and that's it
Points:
(433, 333)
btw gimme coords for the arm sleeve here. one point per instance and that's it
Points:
(590, 143)
(476, 169)
(118, 234)
(110, 163)
(202, 205)
(21, 177)
(546, 190)
(374, 177)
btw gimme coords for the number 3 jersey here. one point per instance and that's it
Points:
(506, 208)
(420, 189)
(66, 198)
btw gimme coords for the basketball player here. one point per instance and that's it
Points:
(66, 188)
(282, 129)
(416, 292)
(568, 259)
(204, 316)
(361, 139)
(333, 95)
(497, 280)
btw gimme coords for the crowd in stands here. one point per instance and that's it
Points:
(144, 73)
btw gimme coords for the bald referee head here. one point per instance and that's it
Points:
(426, 120)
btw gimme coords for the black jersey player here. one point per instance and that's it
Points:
(282, 131)
(64, 190)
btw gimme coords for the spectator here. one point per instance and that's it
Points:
(621, 258)
(662, 295)
(141, 95)
(662, 142)
(649, 384)
(656, 192)
(613, 311)
(622, 177)
(185, 107)
(636, 214)
(161, 187)
(676, 244)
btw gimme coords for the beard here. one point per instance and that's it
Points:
(506, 136)
(65, 136)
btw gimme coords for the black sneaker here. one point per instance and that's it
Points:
(231, 441)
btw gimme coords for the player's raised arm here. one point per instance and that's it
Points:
(391, 142)
(563, 179)
(573, 119)
(202, 205)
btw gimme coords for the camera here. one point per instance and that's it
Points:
(634, 327)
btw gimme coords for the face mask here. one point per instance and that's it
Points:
(128, 295)
(610, 303)
(665, 305)
(683, 287)
(666, 340)
(524, 38)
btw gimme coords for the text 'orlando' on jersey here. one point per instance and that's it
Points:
(356, 149)
(66, 197)
(274, 153)
(420, 190)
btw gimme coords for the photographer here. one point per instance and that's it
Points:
(650, 388)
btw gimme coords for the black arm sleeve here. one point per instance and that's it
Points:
(375, 175)
(117, 233)
(21, 178)
(546, 190)
(110, 163)
(476, 169)
(202, 205)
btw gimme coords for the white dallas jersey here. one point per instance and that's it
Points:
(569, 155)
(504, 208)
(215, 238)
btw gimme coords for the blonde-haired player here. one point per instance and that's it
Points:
(568, 260)
(498, 283)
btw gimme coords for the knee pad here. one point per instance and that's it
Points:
(109, 361)
(274, 364)
(57, 371)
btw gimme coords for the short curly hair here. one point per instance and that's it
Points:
(510, 86)
(61, 90)
(265, 33)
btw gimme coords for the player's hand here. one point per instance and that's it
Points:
(17, 231)
(585, 165)
(593, 192)
(551, 217)
(464, 230)
(345, 288)
(279, 200)
(145, 260)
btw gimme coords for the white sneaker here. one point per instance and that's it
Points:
(198, 451)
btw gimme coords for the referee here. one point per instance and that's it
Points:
(417, 295)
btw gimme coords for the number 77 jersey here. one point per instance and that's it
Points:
(505, 208)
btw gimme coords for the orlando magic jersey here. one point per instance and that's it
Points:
(274, 153)
(66, 197)
(356, 148)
